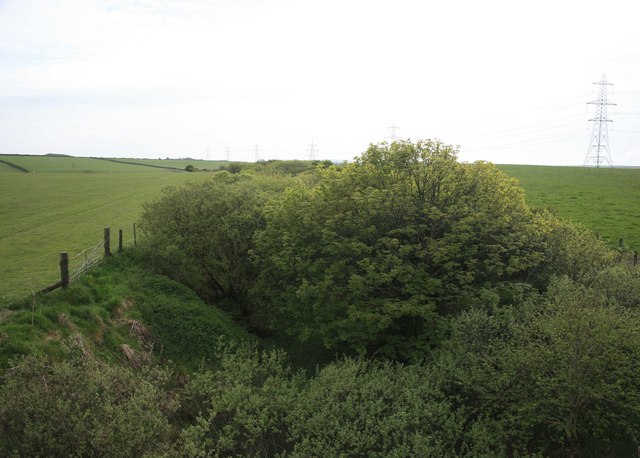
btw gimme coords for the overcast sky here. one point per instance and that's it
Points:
(508, 81)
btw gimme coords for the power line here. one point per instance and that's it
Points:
(559, 102)
(564, 136)
(521, 131)
(517, 130)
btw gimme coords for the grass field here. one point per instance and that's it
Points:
(179, 163)
(605, 200)
(58, 164)
(42, 214)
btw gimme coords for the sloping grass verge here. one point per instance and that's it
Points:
(119, 311)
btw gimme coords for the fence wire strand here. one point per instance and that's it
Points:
(84, 260)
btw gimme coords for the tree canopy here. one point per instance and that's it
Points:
(380, 250)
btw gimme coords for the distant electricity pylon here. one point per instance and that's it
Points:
(312, 150)
(393, 137)
(598, 152)
(257, 151)
(227, 151)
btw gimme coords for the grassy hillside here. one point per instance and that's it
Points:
(42, 214)
(605, 200)
(118, 303)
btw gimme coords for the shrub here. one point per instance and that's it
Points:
(360, 408)
(82, 408)
(241, 408)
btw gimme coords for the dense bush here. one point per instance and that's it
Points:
(570, 250)
(253, 405)
(376, 409)
(553, 376)
(83, 408)
(241, 409)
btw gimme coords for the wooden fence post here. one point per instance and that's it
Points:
(64, 270)
(135, 239)
(120, 241)
(107, 242)
(635, 257)
(620, 243)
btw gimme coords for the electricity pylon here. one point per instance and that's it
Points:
(312, 150)
(598, 152)
(393, 137)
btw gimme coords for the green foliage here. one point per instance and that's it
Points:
(201, 234)
(619, 284)
(376, 409)
(242, 407)
(253, 405)
(558, 377)
(287, 168)
(234, 168)
(83, 408)
(570, 250)
(523, 329)
(373, 256)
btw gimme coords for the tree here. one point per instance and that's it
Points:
(373, 256)
(200, 234)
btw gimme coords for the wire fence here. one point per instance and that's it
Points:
(74, 267)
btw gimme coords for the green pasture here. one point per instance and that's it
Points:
(65, 164)
(178, 163)
(43, 214)
(605, 200)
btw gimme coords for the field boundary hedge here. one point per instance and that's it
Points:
(175, 169)
(15, 166)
